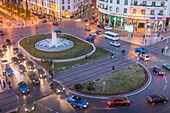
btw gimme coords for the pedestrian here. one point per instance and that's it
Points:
(131, 35)
(165, 29)
(52, 75)
(9, 84)
(112, 55)
(162, 39)
(113, 67)
(0, 81)
(159, 34)
(4, 83)
(86, 56)
(162, 50)
(143, 37)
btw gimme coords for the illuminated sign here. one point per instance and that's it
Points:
(128, 28)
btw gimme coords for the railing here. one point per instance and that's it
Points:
(147, 5)
(103, 0)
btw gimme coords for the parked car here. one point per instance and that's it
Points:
(92, 22)
(90, 38)
(118, 100)
(57, 31)
(144, 57)
(100, 25)
(41, 72)
(33, 76)
(16, 50)
(77, 102)
(79, 16)
(29, 105)
(1, 33)
(7, 42)
(23, 87)
(4, 47)
(15, 60)
(57, 87)
(115, 43)
(152, 99)
(30, 64)
(86, 24)
(88, 28)
(158, 70)
(86, 20)
(9, 71)
(20, 56)
(98, 32)
(1, 53)
(167, 66)
(4, 61)
(41, 16)
(108, 28)
(92, 34)
(95, 15)
(44, 21)
(22, 68)
(141, 50)
(55, 23)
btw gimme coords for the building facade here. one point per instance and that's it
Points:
(58, 8)
(153, 14)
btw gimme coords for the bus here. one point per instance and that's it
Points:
(111, 35)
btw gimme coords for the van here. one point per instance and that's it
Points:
(111, 35)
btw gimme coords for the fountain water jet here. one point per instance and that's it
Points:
(54, 44)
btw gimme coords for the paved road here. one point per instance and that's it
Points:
(57, 103)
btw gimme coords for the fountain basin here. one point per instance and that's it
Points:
(45, 45)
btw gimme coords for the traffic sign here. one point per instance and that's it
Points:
(104, 83)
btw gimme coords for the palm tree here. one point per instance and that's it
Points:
(27, 11)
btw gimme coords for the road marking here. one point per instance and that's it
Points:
(166, 82)
(157, 59)
(45, 107)
(62, 100)
(104, 108)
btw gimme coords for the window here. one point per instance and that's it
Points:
(144, 2)
(126, 2)
(68, 7)
(143, 12)
(118, 1)
(110, 8)
(117, 9)
(62, 7)
(62, 1)
(153, 3)
(135, 2)
(152, 12)
(110, 1)
(162, 3)
(68, 1)
(161, 12)
(125, 10)
(134, 11)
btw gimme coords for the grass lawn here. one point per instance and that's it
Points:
(80, 48)
(123, 80)
(100, 53)
(6, 16)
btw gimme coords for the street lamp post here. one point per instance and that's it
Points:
(27, 32)
(146, 27)
(137, 21)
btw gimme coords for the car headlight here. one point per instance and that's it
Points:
(32, 108)
(26, 109)
(40, 75)
(58, 90)
(33, 80)
(63, 88)
(23, 91)
(28, 90)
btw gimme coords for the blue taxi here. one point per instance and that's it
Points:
(77, 102)
(23, 87)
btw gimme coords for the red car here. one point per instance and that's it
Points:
(118, 100)
(4, 47)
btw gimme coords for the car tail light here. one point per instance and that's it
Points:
(151, 99)
(160, 73)
(163, 72)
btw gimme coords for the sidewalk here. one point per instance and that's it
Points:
(19, 22)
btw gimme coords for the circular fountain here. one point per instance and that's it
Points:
(54, 44)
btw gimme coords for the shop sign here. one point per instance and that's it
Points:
(128, 28)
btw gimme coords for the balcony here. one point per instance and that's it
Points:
(102, 7)
(147, 5)
(103, 1)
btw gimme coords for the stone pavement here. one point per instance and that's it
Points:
(93, 70)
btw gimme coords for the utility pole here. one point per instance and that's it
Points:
(146, 27)
(27, 32)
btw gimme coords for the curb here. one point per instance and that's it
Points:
(65, 60)
(146, 83)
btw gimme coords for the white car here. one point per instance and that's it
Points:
(144, 57)
(4, 62)
(92, 34)
(108, 28)
(115, 43)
